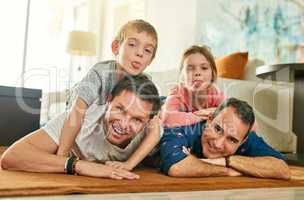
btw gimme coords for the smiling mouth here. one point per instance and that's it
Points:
(117, 129)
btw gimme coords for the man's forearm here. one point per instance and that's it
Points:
(32, 159)
(193, 167)
(145, 147)
(265, 167)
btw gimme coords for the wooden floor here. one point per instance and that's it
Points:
(248, 194)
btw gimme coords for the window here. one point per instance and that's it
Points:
(47, 62)
(12, 20)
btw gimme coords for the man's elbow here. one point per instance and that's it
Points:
(7, 160)
(176, 171)
(281, 169)
(287, 175)
(4, 162)
(284, 173)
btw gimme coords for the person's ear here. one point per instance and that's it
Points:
(115, 47)
(109, 98)
(150, 62)
(208, 121)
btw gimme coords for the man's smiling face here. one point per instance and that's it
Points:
(127, 115)
(224, 134)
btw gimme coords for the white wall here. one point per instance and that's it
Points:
(175, 22)
(96, 20)
(115, 14)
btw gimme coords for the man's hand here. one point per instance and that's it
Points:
(87, 168)
(222, 162)
(119, 165)
(215, 161)
(212, 161)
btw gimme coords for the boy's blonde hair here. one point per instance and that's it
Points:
(139, 25)
(205, 51)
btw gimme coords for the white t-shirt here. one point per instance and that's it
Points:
(91, 140)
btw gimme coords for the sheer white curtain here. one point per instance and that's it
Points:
(12, 28)
(47, 61)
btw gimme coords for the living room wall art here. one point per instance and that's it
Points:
(271, 30)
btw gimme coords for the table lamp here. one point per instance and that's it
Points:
(81, 43)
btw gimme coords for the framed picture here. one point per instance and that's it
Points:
(271, 30)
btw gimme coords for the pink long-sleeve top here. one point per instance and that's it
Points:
(178, 109)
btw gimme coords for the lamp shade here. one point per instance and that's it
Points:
(82, 43)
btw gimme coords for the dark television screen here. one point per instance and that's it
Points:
(19, 113)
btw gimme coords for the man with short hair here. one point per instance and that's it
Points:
(222, 146)
(109, 132)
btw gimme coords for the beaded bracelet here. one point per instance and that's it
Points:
(74, 166)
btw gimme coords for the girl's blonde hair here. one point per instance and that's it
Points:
(205, 51)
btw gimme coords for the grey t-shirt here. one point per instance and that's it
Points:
(97, 84)
(91, 142)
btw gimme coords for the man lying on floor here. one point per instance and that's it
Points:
(109, 132)
(223, 146)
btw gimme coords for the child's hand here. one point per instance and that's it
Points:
(87, 168)
(119, 165)
(187, 151)
(154, 124)
(173, 90)
(204, 113)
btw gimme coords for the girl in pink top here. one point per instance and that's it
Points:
(195, 97)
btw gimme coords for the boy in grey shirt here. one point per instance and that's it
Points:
(134, 48)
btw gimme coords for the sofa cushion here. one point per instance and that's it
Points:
(249, 70)
(232, 66)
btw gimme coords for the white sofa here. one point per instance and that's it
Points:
(272, 102)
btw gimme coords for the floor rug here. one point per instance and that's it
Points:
(13, 183)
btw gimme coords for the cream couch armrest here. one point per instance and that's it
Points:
(272, 104)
